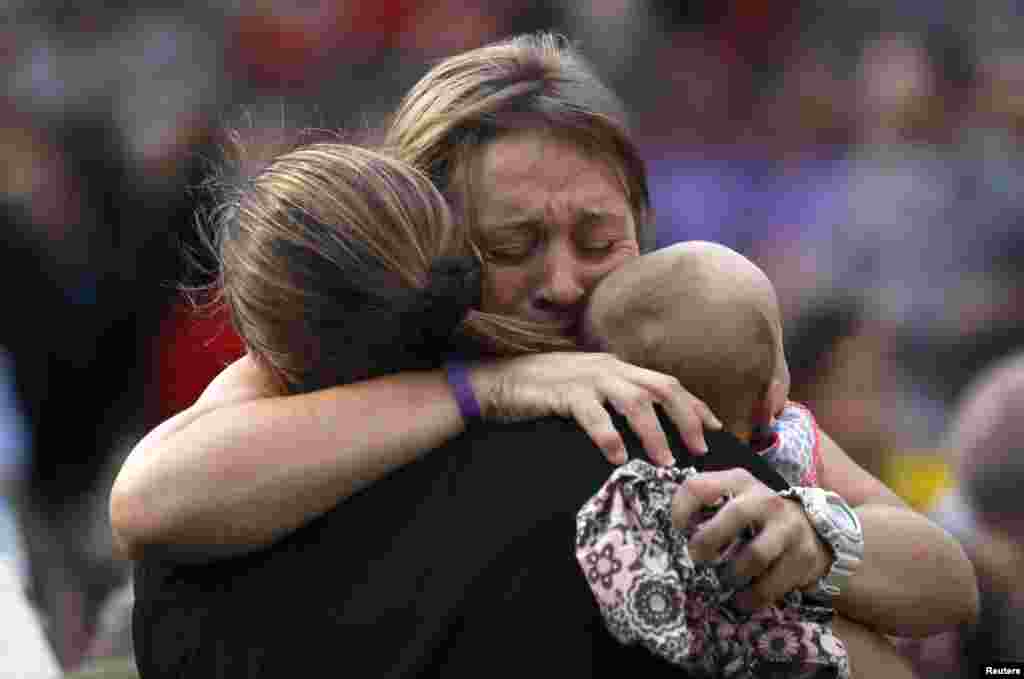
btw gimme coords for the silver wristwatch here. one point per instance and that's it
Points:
(839, 527)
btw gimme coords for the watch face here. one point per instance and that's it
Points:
(844, 517)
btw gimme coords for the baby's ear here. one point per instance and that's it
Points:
(770, 405)
(778, 396)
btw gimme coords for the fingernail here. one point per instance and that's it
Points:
(702, 447)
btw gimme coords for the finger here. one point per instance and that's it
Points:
(670, 390)
(760, 553)
(706, 488)
(780, 577)
(711, 485)
(689, 424)
(747, 509)
(707, 416)
(689, 415)
(732, 522)
(638, 410)
(592, 417)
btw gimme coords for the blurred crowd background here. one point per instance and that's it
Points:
(865, 153)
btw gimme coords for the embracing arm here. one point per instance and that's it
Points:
(915, 579)
(244, 465)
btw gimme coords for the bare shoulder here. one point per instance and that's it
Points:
(244, 380)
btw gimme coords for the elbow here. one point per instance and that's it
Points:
(972, 597)
(963, 599)
(131, 524)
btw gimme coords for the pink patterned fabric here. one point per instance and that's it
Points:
(795, 451)
(651, 592)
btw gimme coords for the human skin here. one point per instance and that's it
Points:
(895, 588)
(247, 464)
(871, 654)
(914, 580)
(552, 223)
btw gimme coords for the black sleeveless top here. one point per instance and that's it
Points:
(460, 564)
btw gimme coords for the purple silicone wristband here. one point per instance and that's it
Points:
(457, 373)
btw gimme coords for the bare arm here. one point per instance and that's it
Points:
(871, 654)
(915, 579)
(245, 465)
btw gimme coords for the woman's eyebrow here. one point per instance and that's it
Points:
(583, 217)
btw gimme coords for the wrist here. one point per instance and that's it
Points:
(457, 374)
(839, 528)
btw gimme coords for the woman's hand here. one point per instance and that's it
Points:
(577, 385)
(785, 554)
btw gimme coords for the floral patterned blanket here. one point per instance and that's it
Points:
(652, 593)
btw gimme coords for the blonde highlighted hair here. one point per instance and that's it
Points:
(322, 250)
(536, 81)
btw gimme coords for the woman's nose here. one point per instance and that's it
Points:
(562, 285)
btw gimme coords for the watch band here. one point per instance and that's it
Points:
(839, 527)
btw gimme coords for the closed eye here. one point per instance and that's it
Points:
(511, 244)
(509, 253)
(597, 248)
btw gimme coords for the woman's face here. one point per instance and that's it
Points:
(552, 221)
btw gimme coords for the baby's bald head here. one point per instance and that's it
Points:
(704, 314)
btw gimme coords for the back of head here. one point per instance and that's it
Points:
(986, 438)
(526, 82)
(339, 264)
(700, 312)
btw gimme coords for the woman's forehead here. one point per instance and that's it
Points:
(525, 172)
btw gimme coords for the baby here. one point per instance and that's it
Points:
(708, 316)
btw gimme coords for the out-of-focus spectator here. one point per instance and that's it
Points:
(25, 652)
(985, 513)
(846, 149)
(95, 201)
(837, 360)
